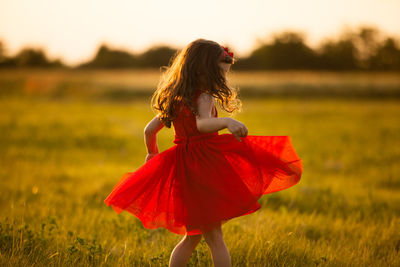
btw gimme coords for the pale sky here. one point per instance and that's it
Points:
(73, 29)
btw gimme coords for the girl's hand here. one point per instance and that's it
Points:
(237, 128)
(150, 156)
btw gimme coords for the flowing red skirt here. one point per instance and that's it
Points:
(204, 181)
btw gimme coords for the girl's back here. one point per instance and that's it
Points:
(185, 121)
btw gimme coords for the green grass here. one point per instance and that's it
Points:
(61, 157)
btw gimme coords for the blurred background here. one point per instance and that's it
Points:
(76, 78)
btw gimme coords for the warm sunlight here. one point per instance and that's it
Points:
(72, 30)
(199, 133)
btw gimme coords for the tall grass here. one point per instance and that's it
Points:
(60, 157)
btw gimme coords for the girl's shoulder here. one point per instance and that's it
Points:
(185, 108)
(205, 95)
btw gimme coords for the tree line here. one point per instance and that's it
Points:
(363, 49)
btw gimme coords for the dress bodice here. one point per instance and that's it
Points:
(185, 121)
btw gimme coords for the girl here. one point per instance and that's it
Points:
(206, 178)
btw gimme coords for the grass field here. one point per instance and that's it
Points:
(61, 154)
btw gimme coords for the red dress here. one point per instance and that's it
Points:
(205, 179)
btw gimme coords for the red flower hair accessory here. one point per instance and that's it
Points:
(226, 52)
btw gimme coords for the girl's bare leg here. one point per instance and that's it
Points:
(220, 253)
(182, 252)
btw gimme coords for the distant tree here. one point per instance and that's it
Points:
(111, 58)
(2, 52)
(361, 49)
(287, 51)
(156, 57)
(58, 63)
(387, 56)
(340, 55)
(5, 61)
(367, 42)
(29, 57)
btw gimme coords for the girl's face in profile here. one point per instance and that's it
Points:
(224, 66)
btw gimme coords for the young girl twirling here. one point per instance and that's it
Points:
(206, 178)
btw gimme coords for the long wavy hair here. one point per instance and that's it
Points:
(191, 69)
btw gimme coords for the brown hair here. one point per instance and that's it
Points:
(191, 69)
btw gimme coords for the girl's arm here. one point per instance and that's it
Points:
(207, 124)
(150, 136)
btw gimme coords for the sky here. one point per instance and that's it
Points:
(72, 30)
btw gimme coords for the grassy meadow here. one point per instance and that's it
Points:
(66, 137)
